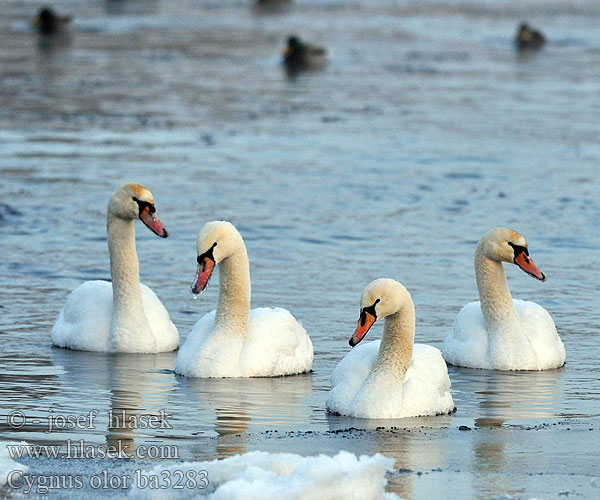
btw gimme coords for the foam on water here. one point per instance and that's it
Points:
(274, 476)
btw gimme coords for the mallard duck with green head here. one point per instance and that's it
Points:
(303, 56)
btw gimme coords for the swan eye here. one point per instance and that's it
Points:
(368, 310)
(142, 205)
(201, 259)
(518, 249)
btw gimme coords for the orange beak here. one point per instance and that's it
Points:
(153, 223)
(364, 324)
(203, 274)
(524, 262)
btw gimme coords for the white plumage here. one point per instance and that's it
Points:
(392, 377)
(275, 344)
(425, 389)
(124, 315)
(467, 342)
(234, 341)
(84, 323)
(498, 332)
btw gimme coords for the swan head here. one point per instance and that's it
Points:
(380, 298)
(133, 201)
(505, 245)
(217, 240)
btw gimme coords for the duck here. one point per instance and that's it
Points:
(272, 6)
(499, 332)
(299, 56)
(392, 377)
(48, 22)
(234, 341)
(528, 38)
(123, 315)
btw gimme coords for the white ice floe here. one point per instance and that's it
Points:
(7, 464)
(273, 476)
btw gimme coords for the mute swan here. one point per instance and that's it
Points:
(124, 316)
(234, 341)
(389, 378)
(498, 332)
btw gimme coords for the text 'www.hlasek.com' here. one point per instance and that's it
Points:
(27, 482)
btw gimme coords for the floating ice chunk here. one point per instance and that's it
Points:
(7, 464)
(273, 476)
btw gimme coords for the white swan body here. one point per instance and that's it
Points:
(234, 341)
(390, 378)
(499, 332)
(275, 344)
(425, 389)
(85, 320)
(125, 315)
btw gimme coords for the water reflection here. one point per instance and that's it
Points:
(506, 396)
(130, 7)
(231, 419)
(137, 385)
(52, 63)
(230, 406)
(489, 461)
(127, 387)
(137, 97)
(130, 379)
(407, 440)
(341, 422)
(25, 381)
(503, 397)
(49, 45)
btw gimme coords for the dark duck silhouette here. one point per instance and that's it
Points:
(528, 38)
(300, 56)
(272, 6)
(48, 22)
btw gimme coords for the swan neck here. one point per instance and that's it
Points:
(395, 351)
(128, 313)
(234, 293)
(494, 294)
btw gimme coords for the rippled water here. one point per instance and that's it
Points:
(426, 130)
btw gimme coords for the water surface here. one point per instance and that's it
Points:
(425, 131)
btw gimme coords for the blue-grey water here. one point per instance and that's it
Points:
(425, 130)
